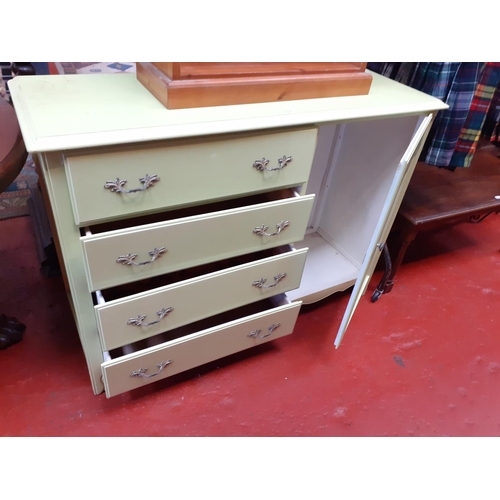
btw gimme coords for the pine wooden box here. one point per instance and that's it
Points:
(189, 85)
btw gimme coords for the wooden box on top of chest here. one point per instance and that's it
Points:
(188, 85)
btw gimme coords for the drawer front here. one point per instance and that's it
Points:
(191, 241)
(121, 321)
(170, 358)
(187, 173)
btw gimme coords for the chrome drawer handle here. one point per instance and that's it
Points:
(116, 186)
(129, 259)
(255, 333)
(261, 230)
(262, 164)
(141, 372)
(277, 279)
(139, 321)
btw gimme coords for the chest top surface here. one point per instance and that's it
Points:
(60, 112)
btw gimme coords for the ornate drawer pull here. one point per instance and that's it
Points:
(262, 164)
(277, 279)
(139, 321)
(116, 186)
(141, 372)
(128, 260)
(255, 333)
(261, 230)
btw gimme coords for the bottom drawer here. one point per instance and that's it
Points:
(197, 344)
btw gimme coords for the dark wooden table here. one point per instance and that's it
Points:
(12, 151)
(437, 197)
(12, 158)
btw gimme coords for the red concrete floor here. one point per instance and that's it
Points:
(422, 361)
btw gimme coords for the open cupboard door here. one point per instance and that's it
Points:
(391, 207)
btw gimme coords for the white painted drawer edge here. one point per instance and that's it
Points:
(298, 205)
(153, 355)
(292, 261)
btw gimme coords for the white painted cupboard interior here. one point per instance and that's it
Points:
(352, 174)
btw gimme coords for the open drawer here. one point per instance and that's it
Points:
(141, 315)
(188, 238)
(137, 365)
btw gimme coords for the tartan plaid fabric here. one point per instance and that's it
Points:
(388, 69)
(455, 84)
(468, 89)
(405, 72)
(434, 78)
(494, 117)
(471, 130)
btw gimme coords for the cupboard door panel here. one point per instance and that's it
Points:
(386, 219)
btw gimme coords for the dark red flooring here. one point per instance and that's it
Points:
(422, 361)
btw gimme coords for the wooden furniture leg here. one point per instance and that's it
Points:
(407, 235)
(388, 271)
